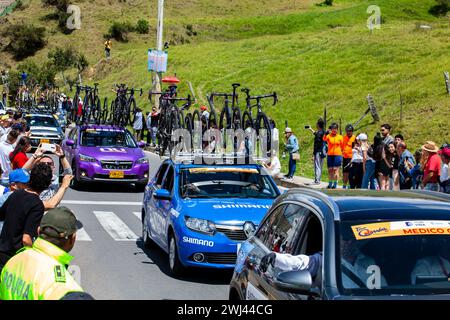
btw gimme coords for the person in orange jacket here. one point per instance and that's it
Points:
(334, 156)
(347, 152)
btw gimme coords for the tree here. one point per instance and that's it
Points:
(63, 59)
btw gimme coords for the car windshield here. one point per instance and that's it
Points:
(107, 138)
(394, 257)
(225, 182)
(37, 121)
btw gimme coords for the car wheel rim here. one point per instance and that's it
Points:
(172, 253)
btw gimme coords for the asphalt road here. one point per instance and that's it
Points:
(109, 256)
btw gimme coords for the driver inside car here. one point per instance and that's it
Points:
(354, 264)
(434, 265)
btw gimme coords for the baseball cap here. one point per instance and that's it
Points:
(362, 137)
(288, 130)
(445, 152)
(19, 176)
(59, 223)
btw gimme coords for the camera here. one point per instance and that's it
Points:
(307, 127)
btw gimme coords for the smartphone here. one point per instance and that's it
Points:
(307, 127)
(50, 147)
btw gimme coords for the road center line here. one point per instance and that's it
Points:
(114, 203)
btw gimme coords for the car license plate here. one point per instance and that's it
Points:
(116, 174)
(45, 141)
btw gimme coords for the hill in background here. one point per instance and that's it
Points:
(313, 56)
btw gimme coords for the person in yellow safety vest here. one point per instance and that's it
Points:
(40, 272)
(108, 45)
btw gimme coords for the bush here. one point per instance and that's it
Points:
(63, 59)
(26, 40)
(441, 8)
(328, 2)
(61, 5)
(119, 31)
(142, 26)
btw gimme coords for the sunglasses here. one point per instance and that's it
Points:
(51, 164)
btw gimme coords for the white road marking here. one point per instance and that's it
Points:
(113, 203)
(82, 235)
(138, 214)
(116, 228)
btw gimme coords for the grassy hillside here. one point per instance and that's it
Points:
(313, 56)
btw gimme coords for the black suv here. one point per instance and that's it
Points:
(349, 244)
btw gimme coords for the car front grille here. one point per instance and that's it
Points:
(220, 258)
(117, 165)
(233, 233)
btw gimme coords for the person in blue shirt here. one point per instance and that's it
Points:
(24, 77)
(293, 148)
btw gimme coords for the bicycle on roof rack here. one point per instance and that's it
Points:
(260, 121)
(123, 108)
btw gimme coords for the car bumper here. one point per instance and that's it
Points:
(93, 172)
(217, 251)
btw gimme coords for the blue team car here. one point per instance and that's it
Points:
(200, 214)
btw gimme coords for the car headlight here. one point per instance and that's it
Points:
(86, 158)
(200, 225)
(142, 160)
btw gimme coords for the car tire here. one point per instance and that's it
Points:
(148, 242)
(175, 265)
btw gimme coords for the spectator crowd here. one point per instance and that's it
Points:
(382, 162)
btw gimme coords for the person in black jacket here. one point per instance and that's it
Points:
(22, 214)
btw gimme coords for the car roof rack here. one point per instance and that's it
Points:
(233, 158)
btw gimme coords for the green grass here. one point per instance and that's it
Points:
(312, 56)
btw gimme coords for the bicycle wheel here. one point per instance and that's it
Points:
(189, 126)
(212, 121)
(264, 138)
(225, 119)
(132, 110)
(174, 124)
(86, 109)
(247, 120)
(104, 113)
(96, 110)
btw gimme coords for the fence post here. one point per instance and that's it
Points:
(447, 81)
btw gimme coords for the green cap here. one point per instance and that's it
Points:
(59, 223)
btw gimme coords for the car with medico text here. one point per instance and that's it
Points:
(352, 244)
(200, 213)
(104, 153)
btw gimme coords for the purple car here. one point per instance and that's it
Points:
(105, 153)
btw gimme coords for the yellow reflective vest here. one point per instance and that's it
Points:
(37, 273)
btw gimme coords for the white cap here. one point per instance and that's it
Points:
(362, 137)
(288, 130)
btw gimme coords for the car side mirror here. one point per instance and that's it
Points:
(299, 281)
(162, 194)
(70, 143)
(141, 144)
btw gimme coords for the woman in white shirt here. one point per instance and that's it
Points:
(356, 164)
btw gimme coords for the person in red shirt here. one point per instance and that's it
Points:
(347, 153)
(19, 155)
(431, 165)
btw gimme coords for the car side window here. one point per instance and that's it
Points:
(311, 236)
(280, 229)
(168, 181)
(160, 175)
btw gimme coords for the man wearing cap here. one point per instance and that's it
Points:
(40, 272)
(431, 165)
(444, 179)
(18, 180)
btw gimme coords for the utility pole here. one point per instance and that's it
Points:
(159, 47)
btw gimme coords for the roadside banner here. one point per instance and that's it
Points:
(157, 60)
